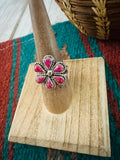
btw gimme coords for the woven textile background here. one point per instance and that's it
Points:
(17, 54)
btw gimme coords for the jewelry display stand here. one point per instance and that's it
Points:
(72, 118)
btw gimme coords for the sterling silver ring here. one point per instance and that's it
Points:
(50, 72)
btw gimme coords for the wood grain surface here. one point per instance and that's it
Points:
(83, 128)
(15, 17)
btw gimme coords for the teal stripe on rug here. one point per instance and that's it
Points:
(10, 102)
(66, 33)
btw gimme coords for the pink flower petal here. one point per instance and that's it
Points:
(59, 68)
(38, 68)
(48, 62)
(59, 80)
(49, 84)
(39, 79)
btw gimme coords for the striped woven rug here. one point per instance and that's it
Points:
(17, 54)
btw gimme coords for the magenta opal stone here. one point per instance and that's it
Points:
(38, 68)
(59, 68)
(49, 84)
(48, 62)
(39, 79)
(59, 80)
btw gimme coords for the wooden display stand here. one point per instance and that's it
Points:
(83, 128)
(79, 126)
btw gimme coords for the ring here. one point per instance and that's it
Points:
(50, 72)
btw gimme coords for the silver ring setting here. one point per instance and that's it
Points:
(50, 72)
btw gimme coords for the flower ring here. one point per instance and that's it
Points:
(50, 72)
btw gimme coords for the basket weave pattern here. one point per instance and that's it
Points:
(97, 18)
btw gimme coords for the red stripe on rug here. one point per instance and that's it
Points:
(111, 51)
(86, 45)
(6, 54)
(11, 145)
(114, 110)
(6, 45)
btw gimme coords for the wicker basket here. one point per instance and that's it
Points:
(97, 18)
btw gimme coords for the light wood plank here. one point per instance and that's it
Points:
(104, 113)
(83, 128)
(25, 25)
(84, 119)
(10, 14)
(54, 12)
(15, 18)
(94, 109)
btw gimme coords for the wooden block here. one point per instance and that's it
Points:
(10, 15)
(83, 128)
